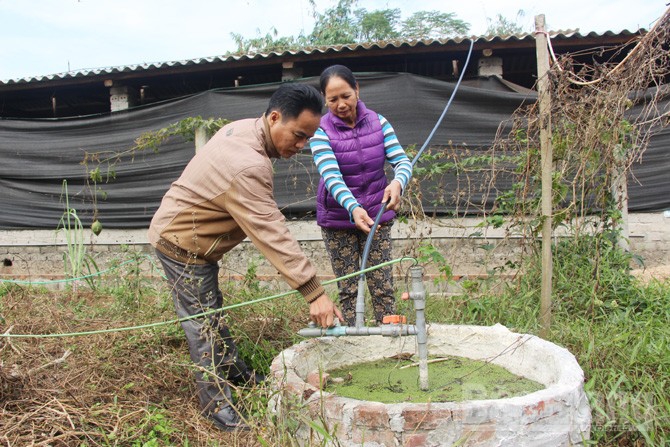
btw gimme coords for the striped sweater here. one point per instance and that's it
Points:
(351, 161)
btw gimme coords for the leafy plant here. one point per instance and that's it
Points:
(155, 430)
(131, 281)
(73, 231)
(615, 326)
(427, 253)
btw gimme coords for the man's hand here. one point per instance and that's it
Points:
(322, 311)
(392, 195)
(362, 220)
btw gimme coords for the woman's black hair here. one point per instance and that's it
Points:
(339, 71)
(291, 99)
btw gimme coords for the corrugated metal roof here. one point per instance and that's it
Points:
(91, 72)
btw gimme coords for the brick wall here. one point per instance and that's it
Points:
(38, 254)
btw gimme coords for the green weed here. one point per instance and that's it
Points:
(617, 328)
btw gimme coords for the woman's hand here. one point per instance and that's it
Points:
(392, 195)
(362, 220)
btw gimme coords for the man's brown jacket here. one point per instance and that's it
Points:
(224, 195)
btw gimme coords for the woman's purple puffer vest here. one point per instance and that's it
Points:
(360, 155)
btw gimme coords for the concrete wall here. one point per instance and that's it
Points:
(38, 255)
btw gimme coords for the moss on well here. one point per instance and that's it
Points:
(452, 379)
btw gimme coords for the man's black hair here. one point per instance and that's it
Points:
(337, 71)
(291, 99)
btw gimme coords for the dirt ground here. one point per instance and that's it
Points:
(661, 273)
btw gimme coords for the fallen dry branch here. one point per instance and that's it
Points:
(66, 354)
(431, 361)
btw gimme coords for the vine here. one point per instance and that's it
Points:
(101, 166)
(602, 118)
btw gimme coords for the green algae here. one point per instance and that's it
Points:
(452, 379)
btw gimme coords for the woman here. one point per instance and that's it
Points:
(350, 149)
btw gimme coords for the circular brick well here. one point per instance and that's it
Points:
(558, 415)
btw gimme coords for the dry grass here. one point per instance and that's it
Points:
(118, 388)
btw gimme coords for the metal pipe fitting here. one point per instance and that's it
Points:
(418, 295)
(386, 330)
(360, 302)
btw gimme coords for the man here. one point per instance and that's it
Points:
(224, 195)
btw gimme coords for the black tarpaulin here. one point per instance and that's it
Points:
(36, 156)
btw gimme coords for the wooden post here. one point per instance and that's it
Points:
(201, 137)
(619, 190)
(546, 161)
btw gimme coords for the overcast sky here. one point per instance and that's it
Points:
(41, 37)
